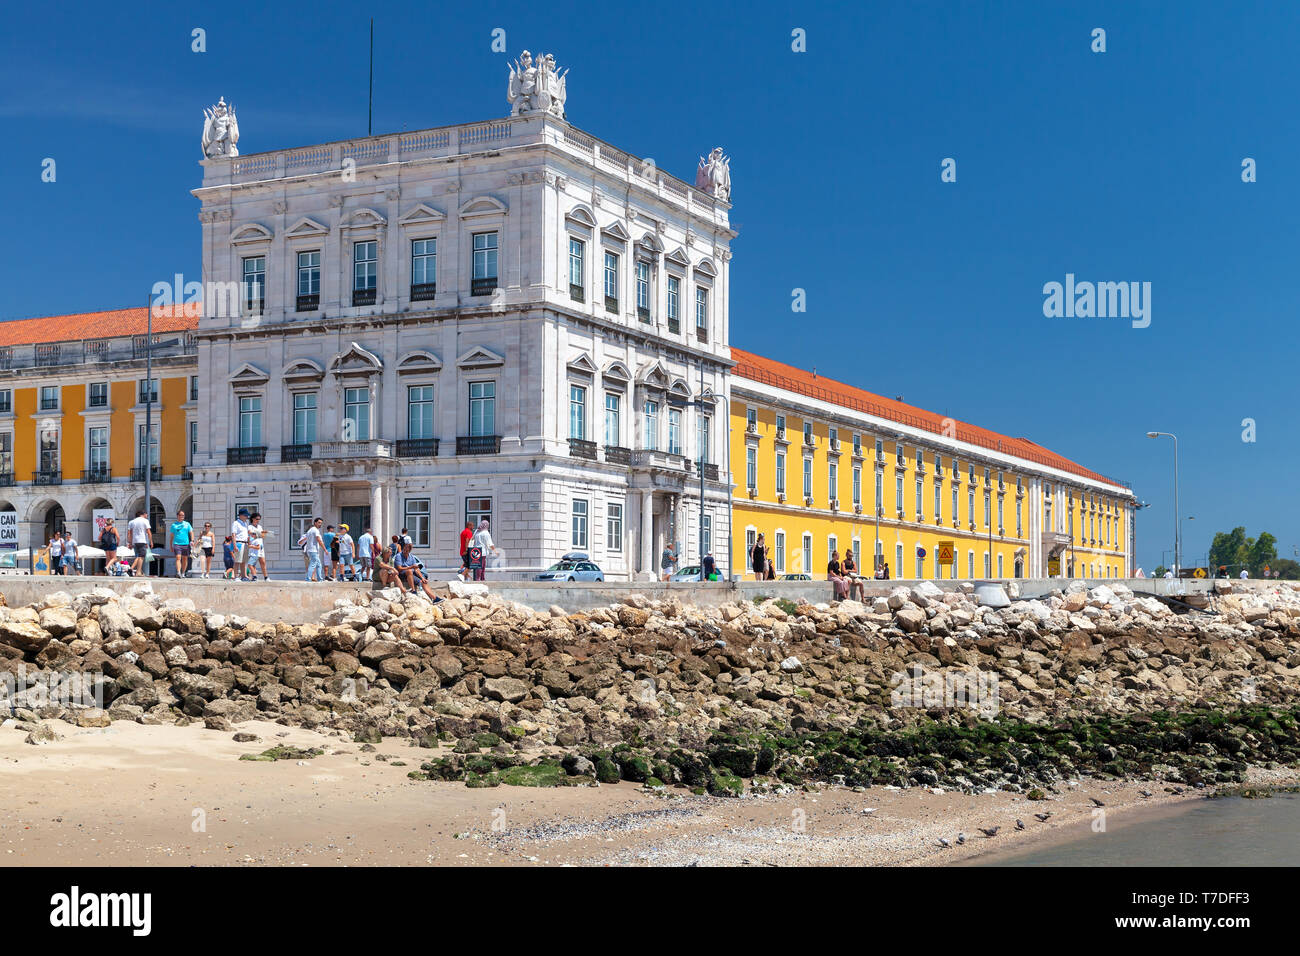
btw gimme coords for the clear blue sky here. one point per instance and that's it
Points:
(1117, 166)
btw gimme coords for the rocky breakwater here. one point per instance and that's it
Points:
(919, 688)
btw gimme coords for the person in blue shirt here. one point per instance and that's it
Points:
(180, 531)
(408, 568)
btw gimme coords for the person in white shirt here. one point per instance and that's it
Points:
(365, 553)
(1169, 575)
(239, 537)
(256, 548)
(313, 543)
(69, 553)
(56, 554)
(141, 537)
(483, 541)
(1244, 574)
(347, 548)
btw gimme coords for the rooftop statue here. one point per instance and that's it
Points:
(220, 131)
(537, 88)
(714, 175)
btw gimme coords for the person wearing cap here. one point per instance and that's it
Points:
(239, 538)
(346, 549)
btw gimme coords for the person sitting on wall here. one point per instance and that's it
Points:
(409, 568)
(835, 574)
(850, 568)
(385, 573)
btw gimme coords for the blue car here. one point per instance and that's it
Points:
(574, 566)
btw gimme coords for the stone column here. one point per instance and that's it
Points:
(377, 509)
(647, 532)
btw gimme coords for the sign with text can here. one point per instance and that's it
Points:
(8, 530)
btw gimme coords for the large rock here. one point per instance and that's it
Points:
(59, 620)
(508, 689)
(113, 620)
(24, 635)
(909, 618)
(142, 614)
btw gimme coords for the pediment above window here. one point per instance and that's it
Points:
(679, 392)
(250, 232)
(364, 219)
(422, 215)
(304, 228)
(653, 376)
(679, 257)
(419, 361)
(480, 357)
(302, 370)
(706, 268)
(650, 243)
(482, 206)
(248, 375)
(615, 231)
(354, 360)
(582, 215)
(582, 364)
(617, 372)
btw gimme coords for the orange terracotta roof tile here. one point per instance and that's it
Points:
(98, 325)
(780, 375)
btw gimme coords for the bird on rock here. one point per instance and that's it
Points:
(990, 831)
(1042, 817)
(944, 842)
(1020, 824)
(961, 838)
(1096, 802)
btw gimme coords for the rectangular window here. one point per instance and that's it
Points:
(778, 551)
(832, 481)
(50, 450)
(611, 282)
(577, 412)
(650, 429)
(898, 493)
(643, 290)
(807, 433)
(300, 518)
(194, 388)
(7, 400)
(579, 536)
(938, 503)
(955, 515)
(148, 446)
(880, 450)
(149, 391)
(674, 304)
(98, 395)
(751, 468)
(250, 421)
(970, 508)
(706, 531)
(356, 414)
(478, 509)
(751, 420)
(857, 445)
(702, 438)
(309, 273)
(880, 493)
(832, 545)
(254, 284)
(857, 487)
(807, 554)
(701, 312)
(415, 518)
(612, 430)
(780, 473)
(751, 538)
(194, 441)
(614, 527)
(424, 269)
(482, 408)
(304, 418)
(1000, 523)
(577, 269)
(419, 411)
(834, 436)
(780, 426)
(807, 478)
(485, 264)
(674, 431)
(988, 517)
(98, 451)
(365, 272)
(920, 501)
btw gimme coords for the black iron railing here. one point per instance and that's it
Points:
(424, 291)
(478, 444)
(138, 473)
(95, 473)
(617, 455)
(47, 477)
(580, 448)
(576, 293)
(253, 455)
(298, 452)
(483, 286)
(308, 303)
(364, 296)
(417, 448)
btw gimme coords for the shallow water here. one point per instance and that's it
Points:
(1226, 832)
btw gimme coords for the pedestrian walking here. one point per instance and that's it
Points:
(256, 547)
(207, 542)
(228, 557)
(239, 537)
(55, 547)
(109, 541)
(69, 555)
(466, 536)
(483, 541)
(365, 552)
(667, 561)
(313, 542)
(758, 559)
(140, 535)
(179, 534)
(329, 555)
(345, 546)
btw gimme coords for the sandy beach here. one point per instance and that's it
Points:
(138, 795)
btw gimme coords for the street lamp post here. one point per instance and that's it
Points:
(1178, 542)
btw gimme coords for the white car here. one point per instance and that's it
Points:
(574, 566)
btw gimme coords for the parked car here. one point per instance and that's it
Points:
(574, 566)
(796, 577)
(689, 573)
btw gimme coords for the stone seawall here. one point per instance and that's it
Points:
(920, 686)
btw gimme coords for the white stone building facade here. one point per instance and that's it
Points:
(508, 319)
